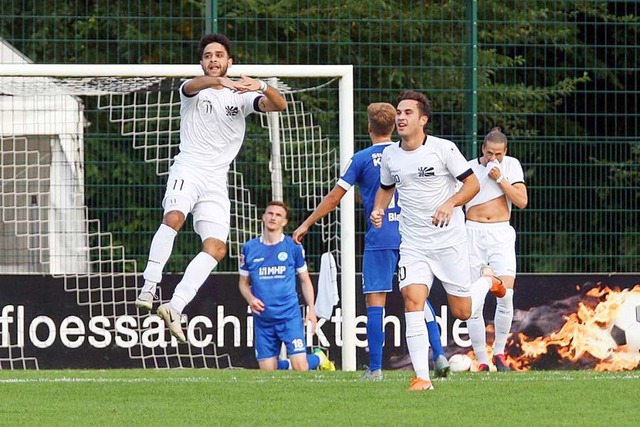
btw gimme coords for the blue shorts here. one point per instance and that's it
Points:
(268, 338)
(378, 268)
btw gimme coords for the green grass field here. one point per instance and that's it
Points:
(190, 397)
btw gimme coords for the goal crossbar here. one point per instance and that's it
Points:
(171, 70)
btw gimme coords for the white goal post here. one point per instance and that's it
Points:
(11, 124)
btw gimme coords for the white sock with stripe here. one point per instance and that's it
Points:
(194, 276)
(418, 343)
(502, 321)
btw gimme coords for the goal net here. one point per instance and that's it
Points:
(49, 113)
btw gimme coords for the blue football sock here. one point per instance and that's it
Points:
(434, 335)
(283, 365)
(375, 336)
(313, 360)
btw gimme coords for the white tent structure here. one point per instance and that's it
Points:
(43, 227)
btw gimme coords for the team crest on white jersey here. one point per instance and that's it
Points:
(282, 256)
(426, 171)
(231, 110)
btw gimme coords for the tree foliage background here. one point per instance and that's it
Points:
(559, 77)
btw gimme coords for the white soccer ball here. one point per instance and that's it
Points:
(460, 363)
(626, 323)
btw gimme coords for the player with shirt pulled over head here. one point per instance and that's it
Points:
(380, 258)
(213, 110)
(268, 270)
(424, 170)
(492, 239)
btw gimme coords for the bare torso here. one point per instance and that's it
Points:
(495, 210)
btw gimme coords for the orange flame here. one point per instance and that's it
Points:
(584, 339)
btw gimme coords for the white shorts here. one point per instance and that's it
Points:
(450, 265)
(206, 197)
(492, 244)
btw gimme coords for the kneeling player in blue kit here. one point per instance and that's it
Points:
(269, 266)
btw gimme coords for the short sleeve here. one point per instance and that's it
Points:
(516, 174)
(385, 175)
(300, 262)
(244, 267)
(350, 175)
(456, 164)
(250, 102)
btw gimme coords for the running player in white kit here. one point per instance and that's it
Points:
(424, 171)
(212, 127)
(492, 239)
(381, 244)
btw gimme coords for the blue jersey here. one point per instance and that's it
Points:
(364, 169)
(273, 272)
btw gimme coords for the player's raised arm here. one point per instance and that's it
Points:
(328, 203)
(272, 99)
(197, 84)
(517, 192)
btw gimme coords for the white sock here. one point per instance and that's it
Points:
(502, 321)
(159, 253)
(479, 290)
(178, 303)
(478, 336)
(149, 286)
(418, 343)
(194, 276)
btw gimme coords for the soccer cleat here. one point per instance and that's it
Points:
(500, 361)
(497, 286)
(145, 301)
(418, 384)
(442, 367)
(483, 367)
(325, 363)
(372, 375)
(172, 318)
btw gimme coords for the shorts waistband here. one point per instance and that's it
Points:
(476, 224)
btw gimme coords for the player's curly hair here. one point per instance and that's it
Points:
(214, 38)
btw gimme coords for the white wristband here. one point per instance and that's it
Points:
(263, 85)
(499, 180)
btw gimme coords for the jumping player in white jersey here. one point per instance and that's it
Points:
(492, 239)
(212, 127)
(269, 267)
(424, 170)
(381, 245)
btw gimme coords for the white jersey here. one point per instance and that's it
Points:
(425, 178)
(212, 127)
(510, 168)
